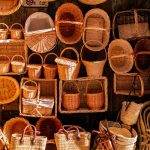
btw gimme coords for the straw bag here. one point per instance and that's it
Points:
(73, 138)
(16, 33)
(92, 2)
(67, 68)
(120, 56)
(4, 64)
(50, 70)
(94, 68)
(4, 32)
(69, 23)
(96, 29)
(40, 33)
(71, 95)
(35, 62)
(24, 142)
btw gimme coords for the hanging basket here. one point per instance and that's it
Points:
(50, 70)
(71, 96)
(67, 68)
(4, 31)
(94, 68)
(92, 2)
(120, 56)
(96, 29)
(4, 64)
(40, 33)
(69, 23)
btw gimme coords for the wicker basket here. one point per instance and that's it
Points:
(35, 62)
(18, 64)
(71, 96)
(94, 68)
(9, 89)
(96, 28)
(50, 70)
(69, 23)
(92, 2)
(67, 68)
(95, 95)
(40, 33)
(4, 32)
(131, 24)
(120, 55)
(16, 33)
(4, 64)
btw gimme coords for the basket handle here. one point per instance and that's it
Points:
(5, 57)
(66, 82)
(136, 21)
(48, 56)
(37, 55)
(16, 24)
(5, 25)
(73, 49)
(70, 22)
(18, 56)
(122, 55)
(24, 84)
(94, 28)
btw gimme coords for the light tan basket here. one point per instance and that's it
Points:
(92, 2)
(16, 33)
(69, 23)
(96, 28)
(4, 64)
(94, 68)
(120, 56)
(18, 64)
(35, 62)
(4, 32)
(50, 70)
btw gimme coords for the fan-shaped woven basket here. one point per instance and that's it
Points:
(92, 2)
(120, 55)
(69, 23)
(40, 34)
(96, 28)
(15, 125)
(8, 7)
(9, 89)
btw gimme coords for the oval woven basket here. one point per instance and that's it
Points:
(96, 28)
(120, 56)
(8, 7)
(9, 89)
(69, 23)
(40, 34)
(92, 2)
(4, 31)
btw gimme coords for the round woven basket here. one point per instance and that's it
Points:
(9, 89)
(69, 23)
(4, 31)
(40, 34)
(4, 64)
(120, 56)
(92, 2)
(96, 29)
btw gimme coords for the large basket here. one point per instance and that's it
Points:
(9, 89)
(96, 28)
(120, 55)
(4, 64)
(131, 24)
(69, 23)
(40, 34)
(92, 2)
(4, 31)
(142, 53)
(67, 68)
(94, 68)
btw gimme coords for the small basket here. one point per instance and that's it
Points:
(16, 33)
(67, 68)
(50, 70)
(71, 96)
(4, 64)
(92, 2)
(18, 64)
(94, 95)
(4, 32)
(35, 62)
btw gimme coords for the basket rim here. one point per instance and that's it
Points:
(92, 2)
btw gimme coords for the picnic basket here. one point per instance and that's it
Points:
(4, 64)
(4, 31)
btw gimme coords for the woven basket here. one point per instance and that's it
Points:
(9, 89)
(96, 28)
(94, 68)
(50, 70)
(35, 62)
(92, 2)
(95, 95)
(67, 68)
(4, 31)
(4, 64)
(16, 33)
(120, 56)
(18, 64)
(69, 23)
(71, 96)
(131, 24)
(40, 34)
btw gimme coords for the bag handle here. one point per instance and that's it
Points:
(5, 25)
(48, 56)
(16, 24)
(70, 22)
(12, 59)
(39, 55)
(67, 82)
